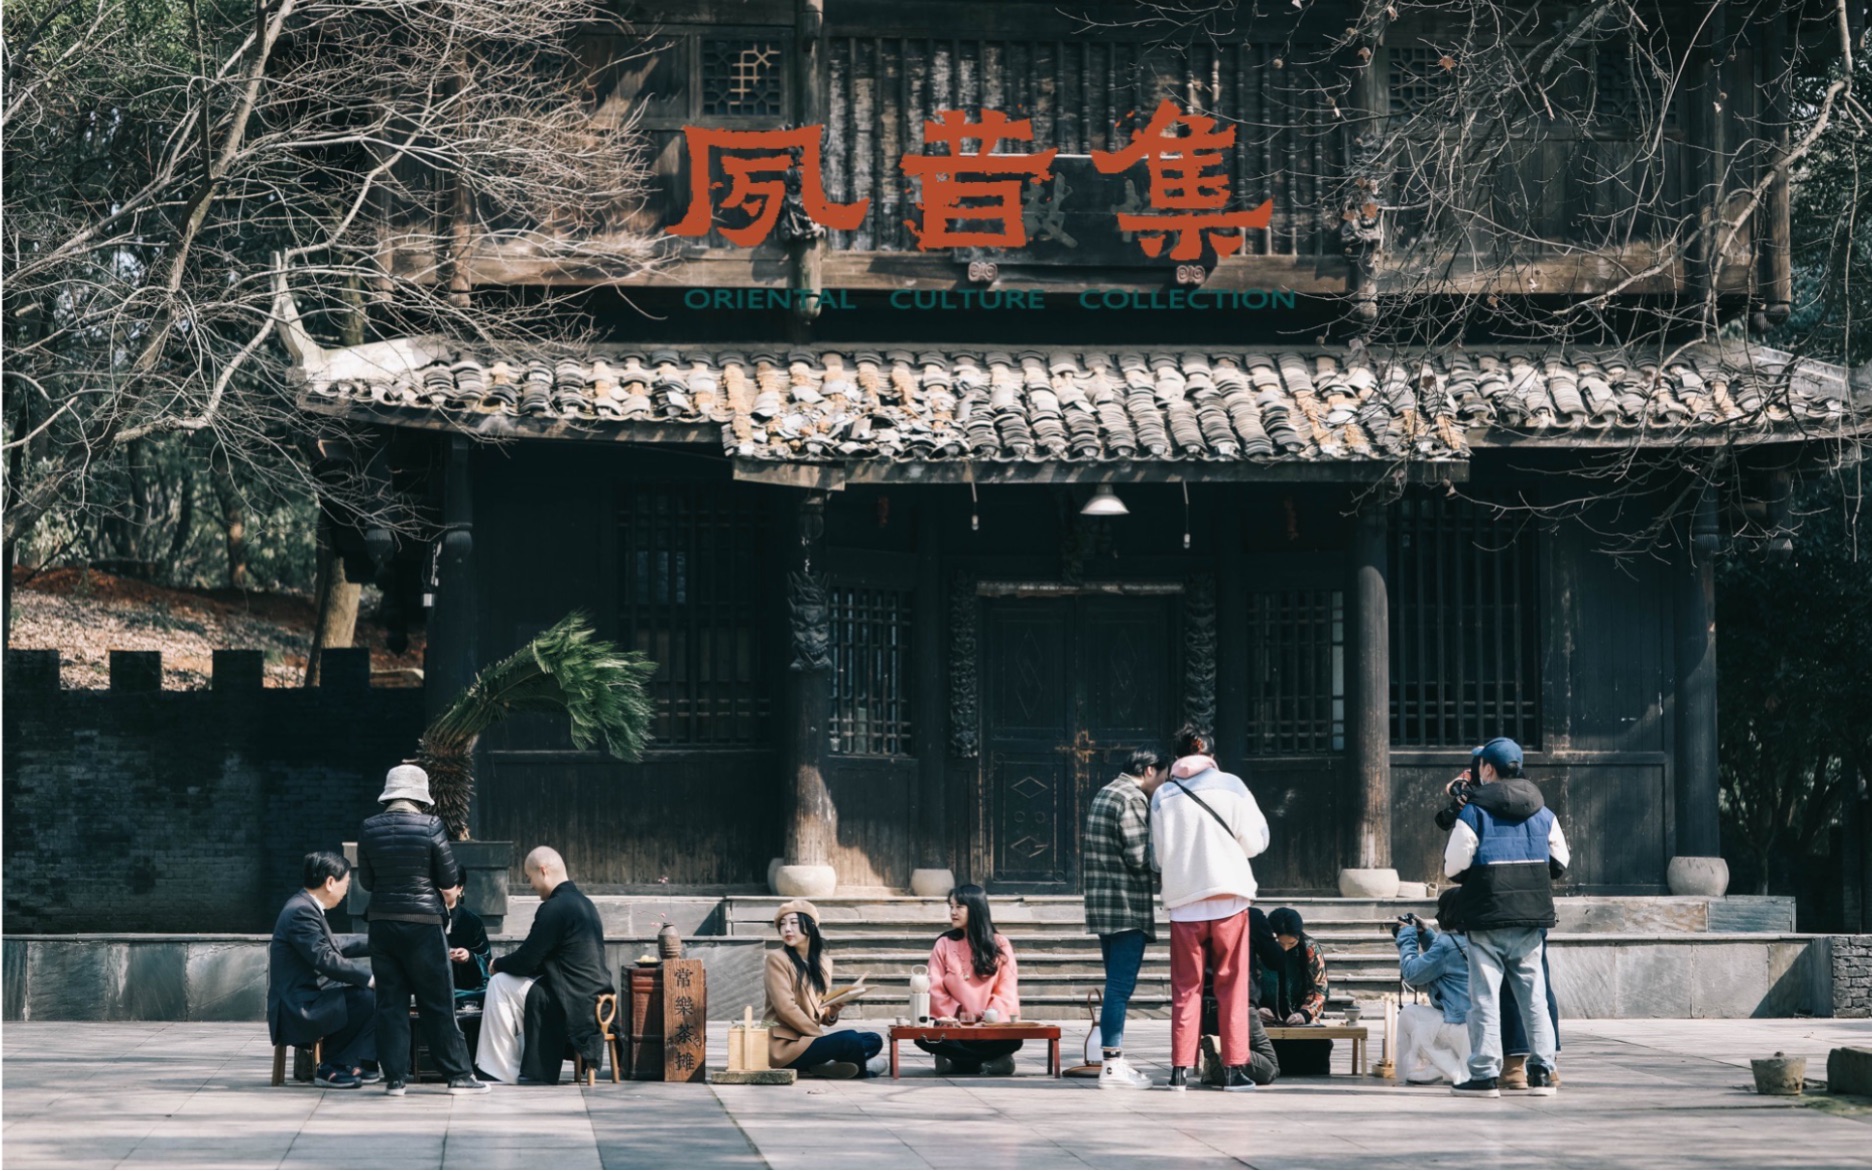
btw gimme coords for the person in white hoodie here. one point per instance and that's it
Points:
(1205, 826)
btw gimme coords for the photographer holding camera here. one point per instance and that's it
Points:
(1505, 848)
(1433, 1042)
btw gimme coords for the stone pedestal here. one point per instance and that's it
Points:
(1368, 883)
(1689, 875)
(932, 883)
(805, 881)
(484, 879)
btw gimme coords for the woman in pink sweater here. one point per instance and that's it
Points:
(973, 979)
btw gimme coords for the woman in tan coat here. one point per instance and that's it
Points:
(797, 977)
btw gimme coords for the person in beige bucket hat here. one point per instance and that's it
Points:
(406, 782)
(798, 978)
(404, 860)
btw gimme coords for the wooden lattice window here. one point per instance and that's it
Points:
(1296, 680)
(743, 77)
(1417, 79)
(689, 561)
(871, 671)
(1465, 649)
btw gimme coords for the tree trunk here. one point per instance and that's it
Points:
(234, 523)
(334, 624)
(11, 550)
(185, 525)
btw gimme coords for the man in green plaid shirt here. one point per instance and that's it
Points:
(1119, 899)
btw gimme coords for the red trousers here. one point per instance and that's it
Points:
(1225, 943)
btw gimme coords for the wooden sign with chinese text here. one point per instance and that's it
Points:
(685, 1021)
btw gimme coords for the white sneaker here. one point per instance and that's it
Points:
(1117, 1074)
(944, 1066)
(878, 1066)
(999, 1066)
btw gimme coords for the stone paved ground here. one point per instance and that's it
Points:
(1637, 1094)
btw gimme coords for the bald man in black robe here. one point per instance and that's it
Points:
(542, 997)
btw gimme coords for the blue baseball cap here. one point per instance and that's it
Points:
(1503, 753)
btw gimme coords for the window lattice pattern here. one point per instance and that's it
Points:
(689, 562)
(1296, 682)
(870, 671)
(1624, 94)
(742, 78)
(1465, 661)
(1416, 79)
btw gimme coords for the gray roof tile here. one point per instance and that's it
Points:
(1085, 405)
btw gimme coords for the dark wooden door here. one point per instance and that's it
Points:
(1074, 686)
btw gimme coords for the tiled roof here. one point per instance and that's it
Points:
(831, 404)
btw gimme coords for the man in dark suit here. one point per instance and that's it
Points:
(314, 991)
(542, 995)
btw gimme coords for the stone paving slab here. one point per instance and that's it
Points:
(1654, 1093)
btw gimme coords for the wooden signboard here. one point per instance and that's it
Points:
(685, 1021)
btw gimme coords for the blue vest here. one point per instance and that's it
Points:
(1508, 885)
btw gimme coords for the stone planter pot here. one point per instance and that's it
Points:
(1413, 890)
(484, 877)
(1687, 875)
(1779, 1074)
(1368, 884)
(932, 883)
(805, 881)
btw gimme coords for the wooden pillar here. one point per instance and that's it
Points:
(1368, 711)
(806, 256)
(1708, 129)
(1774, 251)
(812, 822)
(1231, 624)
(450, 659)
(933, 876)
(1699, 837)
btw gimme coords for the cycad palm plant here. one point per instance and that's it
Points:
(567, 669)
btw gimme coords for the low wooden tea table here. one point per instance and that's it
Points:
(1354, 1033)
(1009, 1031)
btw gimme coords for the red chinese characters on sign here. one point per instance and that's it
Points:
(965, 187)
(1189, 186)
(756, 163)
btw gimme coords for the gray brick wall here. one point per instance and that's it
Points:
(1852, 975)
(183, 811)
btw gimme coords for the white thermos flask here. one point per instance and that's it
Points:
(920, 994)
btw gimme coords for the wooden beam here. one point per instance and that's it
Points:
(811, 477)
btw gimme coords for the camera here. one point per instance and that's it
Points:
(1460, 791)
(1407, 919)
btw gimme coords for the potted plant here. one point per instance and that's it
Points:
(566, 669)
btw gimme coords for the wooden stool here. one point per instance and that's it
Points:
(606, 1013)
(279, 1060)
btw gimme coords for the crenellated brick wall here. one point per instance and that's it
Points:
(138, 809)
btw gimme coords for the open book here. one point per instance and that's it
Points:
(839, 997)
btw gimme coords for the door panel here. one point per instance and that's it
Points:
(1028, 782)
(1075, 685)
(1033, 815)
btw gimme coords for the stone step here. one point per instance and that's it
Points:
(1026, 916)
(922, 941)
(893, 959)
(1063, 910)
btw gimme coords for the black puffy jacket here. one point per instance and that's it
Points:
(404, 861)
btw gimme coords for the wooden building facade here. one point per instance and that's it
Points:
(891, 635)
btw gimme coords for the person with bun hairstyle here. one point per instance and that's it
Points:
(798, 977)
